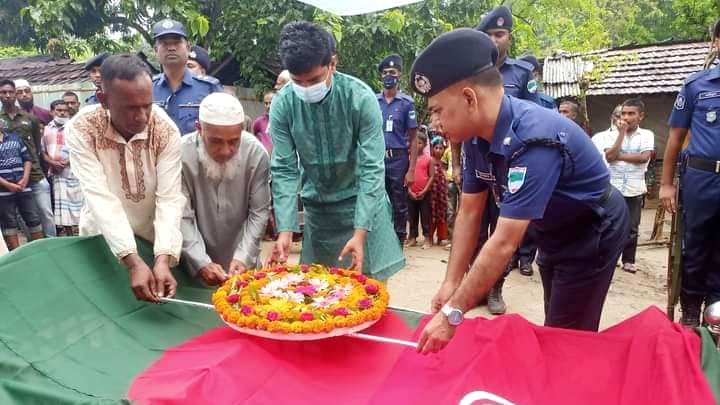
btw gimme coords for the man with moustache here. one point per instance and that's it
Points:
(226, 175)
(126, 153)
(177, 90)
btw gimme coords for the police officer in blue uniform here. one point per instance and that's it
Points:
(517, 74)
(177, 90)
(92, 66)
(519, 82)
(400, 126)
(543, 99)
(198, 61)
(541, 168)
(697, 110)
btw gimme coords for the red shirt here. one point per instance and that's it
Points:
(422, 173)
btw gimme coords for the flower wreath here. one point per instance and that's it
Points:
(302, 299)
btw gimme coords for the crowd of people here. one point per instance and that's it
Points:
(498, 174)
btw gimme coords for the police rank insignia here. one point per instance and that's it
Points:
(711, 116)
(167, 24)
(422, 83)
(192, 55)
(500, 21)
(679, 102)
(516, 178)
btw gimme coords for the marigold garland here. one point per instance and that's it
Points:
(300, 299)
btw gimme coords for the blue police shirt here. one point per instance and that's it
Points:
(518, 79)
(91, 100)
(697, 108)
(546, 101)
(183, 105)
(398, 117)
(533, 181)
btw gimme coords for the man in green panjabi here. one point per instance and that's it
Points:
(327, 137)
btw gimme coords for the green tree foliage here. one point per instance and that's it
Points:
(248, 29)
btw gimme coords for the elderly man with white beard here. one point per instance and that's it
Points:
(226, 174)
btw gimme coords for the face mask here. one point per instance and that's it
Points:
(61, 120)
(312, 94)
(390, 81)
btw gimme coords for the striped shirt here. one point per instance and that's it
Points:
(13, 155)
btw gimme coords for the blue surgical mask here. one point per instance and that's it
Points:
(312, 94)
(390, 81)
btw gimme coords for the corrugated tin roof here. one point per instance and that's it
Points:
(42, 70)
(659, 68)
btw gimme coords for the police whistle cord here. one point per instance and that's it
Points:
(356, 335)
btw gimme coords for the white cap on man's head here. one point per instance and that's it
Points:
(21, 83)
(221, 109)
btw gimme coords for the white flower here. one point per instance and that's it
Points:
(319, 284)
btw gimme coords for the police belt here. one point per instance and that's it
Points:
(712, 166)
(395, 152)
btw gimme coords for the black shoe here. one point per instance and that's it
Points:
(526, 269)
(496, 304)
(691, 306)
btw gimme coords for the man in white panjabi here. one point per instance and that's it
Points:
(126, 153)
(226, 175)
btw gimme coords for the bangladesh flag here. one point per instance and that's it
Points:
(72, 333)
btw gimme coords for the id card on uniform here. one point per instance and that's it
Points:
(389, 124)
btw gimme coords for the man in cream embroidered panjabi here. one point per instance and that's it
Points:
(126, 154)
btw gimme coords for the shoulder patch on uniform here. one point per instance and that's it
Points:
(412, 115)
(532, 86)
(157, 77)
(679, 102)
(516, 178)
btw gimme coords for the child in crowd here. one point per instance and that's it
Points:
(420, 196)
(439, 226)
(68, 197)
(15, 195)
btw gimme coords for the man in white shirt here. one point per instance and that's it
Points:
(608, 135)
(628, 151)
(126, 153)
(226, 180)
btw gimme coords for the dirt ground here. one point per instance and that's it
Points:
(414, 286)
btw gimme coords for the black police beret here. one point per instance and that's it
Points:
(531, 59)
(451, 57)
(392, 61)
(500, 17)
(167, 27)
(96, 60)
(201, 56)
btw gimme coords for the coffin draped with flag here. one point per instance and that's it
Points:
(72, 333)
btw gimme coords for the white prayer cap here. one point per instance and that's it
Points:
(221, 109)
(21, 84)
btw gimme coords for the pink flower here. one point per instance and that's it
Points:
(334, 270)
(372, 288)
(273, 316)
(242, 284)
(360, 278)
(308, 289)
(304, 268)
(259, 275)
(281, 270)
(342, 311)
(307, 316)
(365, 303)
(246, 310)
(233, 298)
